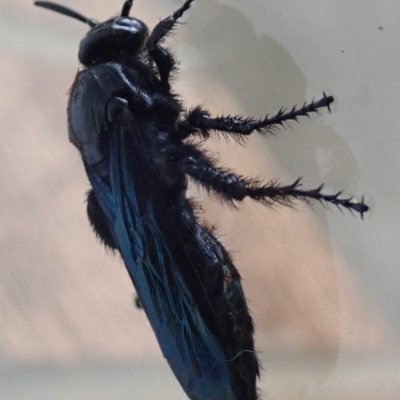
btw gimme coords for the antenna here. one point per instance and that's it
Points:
(126, 8)
(71, 13)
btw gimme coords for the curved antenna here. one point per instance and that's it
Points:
(66, 11)
(126, 8)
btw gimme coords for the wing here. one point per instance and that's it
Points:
(195, 356)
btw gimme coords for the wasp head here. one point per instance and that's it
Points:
(112, 40)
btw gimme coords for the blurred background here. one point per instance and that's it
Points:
(323, 286)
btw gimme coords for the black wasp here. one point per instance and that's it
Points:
(131, 131)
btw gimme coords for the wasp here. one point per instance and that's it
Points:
(133, 134)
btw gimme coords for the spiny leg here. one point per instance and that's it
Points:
(161, 56)
(199, 122)
(231, 186)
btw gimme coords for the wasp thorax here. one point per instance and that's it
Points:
(113, 40)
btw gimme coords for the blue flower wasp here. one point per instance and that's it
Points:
(131, 132)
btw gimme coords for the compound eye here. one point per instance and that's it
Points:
(125, 21)
(130, 26)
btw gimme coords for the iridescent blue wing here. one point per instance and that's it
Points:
(196, 358)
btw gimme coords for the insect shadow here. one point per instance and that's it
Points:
(237, 67)
(251, 75)
(135, 139)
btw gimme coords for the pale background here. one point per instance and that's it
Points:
(322, 285)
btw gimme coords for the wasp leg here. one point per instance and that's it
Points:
(98, 221)
(161, 56)
(138, 303)
(199, 122)
(231, 186)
